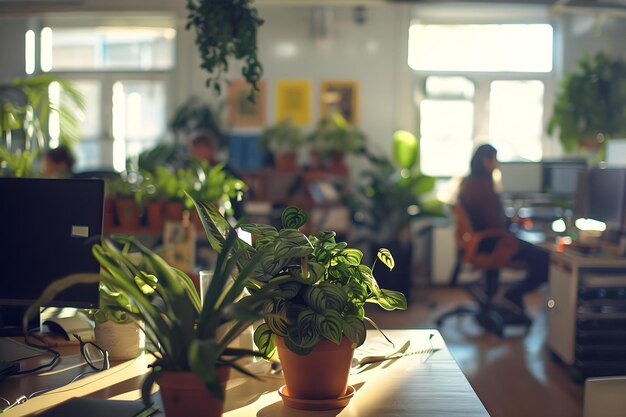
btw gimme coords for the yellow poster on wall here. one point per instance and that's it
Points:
(293, 101)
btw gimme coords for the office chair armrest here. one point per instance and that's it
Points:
(503, 251)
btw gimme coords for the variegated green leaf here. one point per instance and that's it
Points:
(263, 230)
(325, 296)
(351, 256)
(354, 329)
(308, 336)
(264, 341)
(391, 300)
(385, 257)
(293, 217)
(330, 325)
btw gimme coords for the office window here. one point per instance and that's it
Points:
(516, 119)
(125, 74)
(446, 126)
(112, 48)
(486, 47)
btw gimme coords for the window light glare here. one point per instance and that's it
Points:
(29, 52)
(54, 121)
(46, 49)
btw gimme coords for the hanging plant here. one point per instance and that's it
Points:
(226, 29)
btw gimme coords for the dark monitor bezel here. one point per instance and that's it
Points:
(83, 295)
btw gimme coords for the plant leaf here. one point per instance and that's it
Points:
(385, 257)
(293, 217)
(391, 300)
(354, 329)
(330, 325)
(264, 340)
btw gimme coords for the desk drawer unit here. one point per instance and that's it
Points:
(587, 318)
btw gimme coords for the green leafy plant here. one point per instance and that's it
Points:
(334, 135)
(195, 116)
(16, 164)
(200, 181)
(282, 137)
(591, 105)
(25, 109)
(391, 192)
(319, 285)
(226, 30)
(189, 336)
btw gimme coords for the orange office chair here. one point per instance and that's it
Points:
(488, 315)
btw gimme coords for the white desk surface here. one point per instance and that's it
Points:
(415, 385)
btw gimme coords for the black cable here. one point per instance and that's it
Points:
(56, 356)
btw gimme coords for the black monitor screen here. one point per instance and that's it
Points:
(560, 177)
(606, 196)
(47, 229)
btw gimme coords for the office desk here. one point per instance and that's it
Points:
(415, 385)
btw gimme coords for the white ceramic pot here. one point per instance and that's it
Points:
(122, 341)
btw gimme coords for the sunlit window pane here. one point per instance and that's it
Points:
(506, 47)
(446, 144)
(449, 87)
(119, 48)
(139, 115)
(515, 119)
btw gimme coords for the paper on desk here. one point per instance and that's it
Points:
(12, 350)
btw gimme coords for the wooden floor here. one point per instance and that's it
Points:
(515, 376)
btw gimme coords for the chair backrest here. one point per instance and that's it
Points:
(469, 242)
(605, 397)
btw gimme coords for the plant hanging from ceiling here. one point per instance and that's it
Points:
(226, 29)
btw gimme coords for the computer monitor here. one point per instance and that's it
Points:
(521, 177)
(606, 196)
(616, 153)
(560, 176)
(47, 229)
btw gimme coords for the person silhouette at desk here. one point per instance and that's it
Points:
(58, 163)
(482, 204)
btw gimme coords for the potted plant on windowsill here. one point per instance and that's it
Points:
(192, 357)
(317, 307)
(283, 140)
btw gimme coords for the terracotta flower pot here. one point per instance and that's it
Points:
(320, 375)
(185, 395)
(155, 213)
(286, 161)
(174, 211)
(127, 213)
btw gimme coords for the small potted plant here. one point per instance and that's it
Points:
(331, 140)
(316, 315)
(283, 140)
(193, 359)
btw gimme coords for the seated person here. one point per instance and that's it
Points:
(484, 209)
(58, 163)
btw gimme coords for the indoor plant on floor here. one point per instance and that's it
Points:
(316, 311)
(192, 357)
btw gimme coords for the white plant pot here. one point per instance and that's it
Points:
(122, 341)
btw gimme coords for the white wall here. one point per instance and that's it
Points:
(374, 54)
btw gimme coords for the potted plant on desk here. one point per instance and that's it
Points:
(315, 316)
(193, 359)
